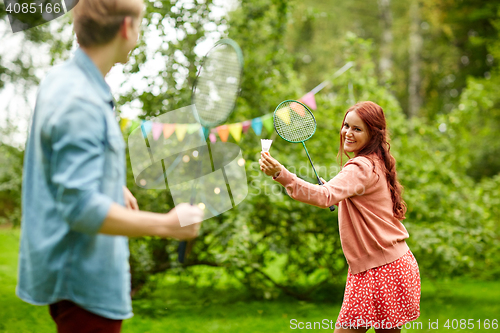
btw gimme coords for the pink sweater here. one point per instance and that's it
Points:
(370, 234)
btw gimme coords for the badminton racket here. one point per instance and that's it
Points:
(294, 122)
(214, 94)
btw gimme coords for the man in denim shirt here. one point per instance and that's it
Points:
(76, 209)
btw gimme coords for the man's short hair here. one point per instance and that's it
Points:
(96, 22)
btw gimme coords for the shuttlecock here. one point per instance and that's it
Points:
(266, 144)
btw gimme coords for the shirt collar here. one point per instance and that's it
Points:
(91, 70)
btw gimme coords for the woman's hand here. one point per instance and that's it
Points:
(130, 200)
(269, 165)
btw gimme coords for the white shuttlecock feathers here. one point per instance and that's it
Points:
(266, 145)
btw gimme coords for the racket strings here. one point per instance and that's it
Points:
(217, 85)
(294, 122)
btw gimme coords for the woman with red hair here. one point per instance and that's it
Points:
(383, 282)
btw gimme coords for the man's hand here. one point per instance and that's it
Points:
(184, 221)
(130, 200)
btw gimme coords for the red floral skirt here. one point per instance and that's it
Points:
(383, 297)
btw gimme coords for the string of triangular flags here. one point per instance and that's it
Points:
(236, 129)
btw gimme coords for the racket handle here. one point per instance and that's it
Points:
(181, 251)
(332, 207)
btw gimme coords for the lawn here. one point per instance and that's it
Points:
(179, 307)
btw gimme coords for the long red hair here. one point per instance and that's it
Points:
(373, 117)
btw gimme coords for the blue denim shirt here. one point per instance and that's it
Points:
(74, 169)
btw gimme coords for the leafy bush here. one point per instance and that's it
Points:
(11, 170)
(275, 245)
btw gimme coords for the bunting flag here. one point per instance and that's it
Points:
(168, 130)
(268, 123)
(206, 132)
(284, 115)
(146, 126)
(212, 137)
(157, 130)
(235, 130)
(123, 123)
(134, 125)
(191, 128)
(309, 100)
(257, 125)
(298, 108)
(223, 132)
(246, 125)
(180, 131)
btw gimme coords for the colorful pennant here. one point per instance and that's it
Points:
(134, 125)
(309, 100)
(235, 130)
(268, 123)
(257, 125)
(168, 130)
(206, 132)
(191, 128)
(298, 108)
(223, 132)
(212, 137)
(246, 125)
(123, 123)
(146, 126)
(284, 115)
(157, 130)
(180, 131)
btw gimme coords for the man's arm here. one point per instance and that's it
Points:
(76, 170)
(135, 223)
(76, 137)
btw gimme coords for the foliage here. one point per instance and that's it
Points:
(455, 35)
(456, 38)
(10, 183)
(52, 38)
(447, 161)
(177, 305)
(271, 77)
(275, 245)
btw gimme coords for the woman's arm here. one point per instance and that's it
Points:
(354, 179)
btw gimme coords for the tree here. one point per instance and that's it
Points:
(415, 99)
(385, 62)
(10, 184)
(275, 245)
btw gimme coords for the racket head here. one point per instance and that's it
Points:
(293, 121)
(217, 84)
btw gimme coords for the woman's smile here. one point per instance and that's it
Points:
(354, 133)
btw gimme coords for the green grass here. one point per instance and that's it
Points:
(179, 307)
(15, 315)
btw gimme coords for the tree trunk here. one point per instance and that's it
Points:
(385, 62)
(415, 49)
